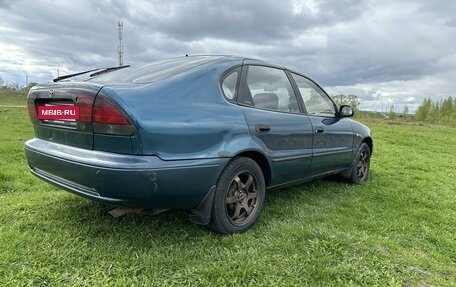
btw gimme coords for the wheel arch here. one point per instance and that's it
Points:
(262, 162)
(370, 143)
(202, 214)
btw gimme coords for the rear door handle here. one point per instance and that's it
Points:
(261, 128)
(319, 130)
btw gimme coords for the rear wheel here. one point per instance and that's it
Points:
(239, 197)
(360, 168)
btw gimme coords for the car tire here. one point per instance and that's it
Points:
(359, 171)
(239, 197)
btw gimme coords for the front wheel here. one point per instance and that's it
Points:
(360, 168)
(239, 197)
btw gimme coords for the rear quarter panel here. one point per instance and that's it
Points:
(184, 117)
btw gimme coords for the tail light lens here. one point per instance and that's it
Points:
(108, 118)
(105, 112)
(85, 104)
(31, 109)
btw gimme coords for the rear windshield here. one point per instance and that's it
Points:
(154, 71)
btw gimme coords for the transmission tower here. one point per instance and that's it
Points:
(120, 44)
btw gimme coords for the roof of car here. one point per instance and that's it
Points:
(166, 68)
(156, 70)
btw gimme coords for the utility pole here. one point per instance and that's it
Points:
(120, 44)
(26, 78)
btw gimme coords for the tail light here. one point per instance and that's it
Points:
(108, 118)
(31, 109)
(105, 112)
(85, 103)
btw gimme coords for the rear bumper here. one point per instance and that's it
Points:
(124, 180)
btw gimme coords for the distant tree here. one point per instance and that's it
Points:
(392, 113)
(440, 112)
(406, 111)
(351, 100)
(424, 110)
(30, 85)
(435, 111)
(446, 109)
(12, 86)
(2, 83)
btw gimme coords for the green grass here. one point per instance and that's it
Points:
(398, 229)
(368, 115)
(12, 98)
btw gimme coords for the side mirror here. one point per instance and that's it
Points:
(346, 111)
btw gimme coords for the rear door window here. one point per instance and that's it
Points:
(268, 88)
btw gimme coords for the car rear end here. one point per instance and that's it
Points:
(100, 119)
(93, 156)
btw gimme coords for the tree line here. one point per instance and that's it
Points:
(430, 111)
(14, 88)
(437, 111)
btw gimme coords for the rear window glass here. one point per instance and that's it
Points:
(154, 71)
(229, 84)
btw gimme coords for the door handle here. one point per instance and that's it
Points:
(261, 128)
(319, 130)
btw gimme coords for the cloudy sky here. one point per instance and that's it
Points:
(386, 52)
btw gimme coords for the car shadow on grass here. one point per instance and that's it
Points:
(319, 193)
(91, 219)
(84, 218)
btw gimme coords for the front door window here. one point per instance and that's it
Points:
(315, 101)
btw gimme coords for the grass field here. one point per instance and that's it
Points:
(8, 98)
(398, 229)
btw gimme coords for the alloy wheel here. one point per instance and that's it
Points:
(241, 198)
